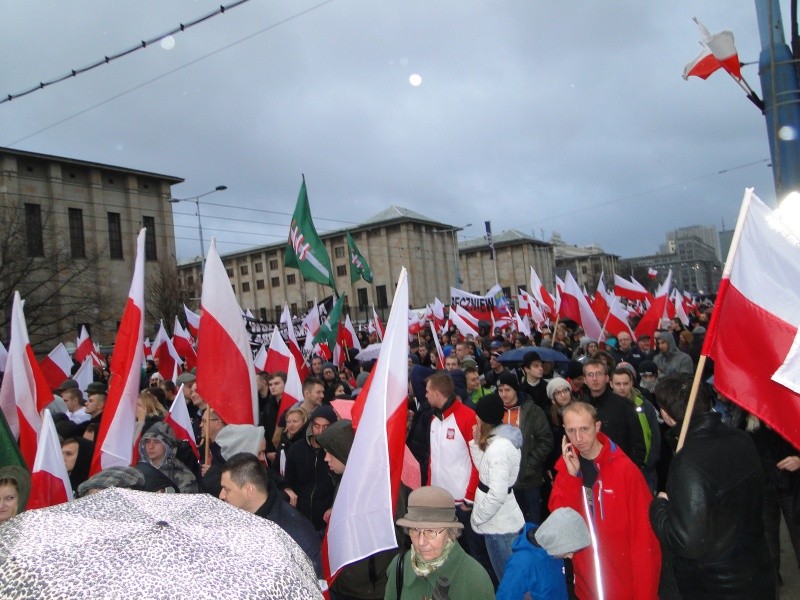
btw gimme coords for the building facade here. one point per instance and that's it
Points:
(69, 241)
(586, 263)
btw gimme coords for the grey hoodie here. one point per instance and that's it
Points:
(674, 361)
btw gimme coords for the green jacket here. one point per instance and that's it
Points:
(479, 393)
(468, 579)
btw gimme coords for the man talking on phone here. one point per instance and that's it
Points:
(596, 478)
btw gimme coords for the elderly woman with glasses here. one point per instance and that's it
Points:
(436, 565)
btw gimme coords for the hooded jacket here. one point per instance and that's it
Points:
(629, 552)
(531, 570)
(170, 465)
(537, 440)
(674, 361)
(496, 509)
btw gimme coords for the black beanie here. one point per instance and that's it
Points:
(508, 378)
(490, 409)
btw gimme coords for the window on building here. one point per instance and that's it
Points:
(33, 229)
(262, 313)
(77, 244)
(259, 284)
(273, 265)
(258, 267)
(584, 270)
(275, 282)
(338, 252)
(380, 296)
(243, 270)
(507, 292)
(245, 286)
(293, 308)
(190, 280)
(229, 271)
(341, 270)
(115, 236)
(278, 311)
(309, 304)
(362, 297)
(150, 252)
(291, 279)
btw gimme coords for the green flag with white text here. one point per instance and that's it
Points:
(306, 251)
(9, 449)
(329, 330)
(358, 264)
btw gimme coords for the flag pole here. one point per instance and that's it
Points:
(206, 426)
(687, 417)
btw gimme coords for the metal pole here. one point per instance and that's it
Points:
(202, 244)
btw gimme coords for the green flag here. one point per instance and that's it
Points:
(358, 264)
(329, 331)
(306, 251)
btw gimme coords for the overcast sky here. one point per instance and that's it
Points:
(540, 116)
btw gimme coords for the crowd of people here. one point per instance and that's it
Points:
(540, 478)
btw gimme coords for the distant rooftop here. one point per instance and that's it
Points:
(510, 236)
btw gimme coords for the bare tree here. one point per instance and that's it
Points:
(164, 296)
(61, 291)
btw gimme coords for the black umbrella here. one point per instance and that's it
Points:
(514, 357)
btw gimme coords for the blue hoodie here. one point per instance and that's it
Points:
(532, 570)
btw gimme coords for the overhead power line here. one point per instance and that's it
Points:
(112, 57)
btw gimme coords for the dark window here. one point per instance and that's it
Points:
(262, 312)
(273, 264)
(229, 271)
(381, 297)
(507, 292)
(33, 229)
(258, 267)
(362, 297)
(293, 308)
(150, 252)
(245, 286)
(76, 241)
(243, 270)
(341, 270)
(338, 252)
(259, 284)
(190, 280)
(291, 279)
(278, 311)
(115, 236)
(275, 282)
(309, 304)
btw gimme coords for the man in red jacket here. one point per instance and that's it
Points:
(599, 481)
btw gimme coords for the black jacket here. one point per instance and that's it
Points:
(621, 423)
(712, 525)
(300, 529)
(307, 474)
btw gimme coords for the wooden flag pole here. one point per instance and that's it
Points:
(698, 374)
(206, 426)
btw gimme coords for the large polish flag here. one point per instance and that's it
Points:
(192, 321)
(226, 378)
(50, 483)
(178, 418)
(184, 345)
(760, 291)
(294, 346)
(632, 290)
(56, 366)
(278, 354)
(575, 306)
(362, 519)
(113, 447)
(24, 392)
(165, 352)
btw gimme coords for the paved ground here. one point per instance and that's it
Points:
(790, 590)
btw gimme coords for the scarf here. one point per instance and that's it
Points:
(424, 568)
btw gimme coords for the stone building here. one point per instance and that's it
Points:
(69, 232)
(586, 263)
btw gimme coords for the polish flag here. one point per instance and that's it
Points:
(347, 334)
(84, 375)
(676, 298)
(148, 349)
(184, 345)
(56, 366)
(575, 306)
(602, 300)
(362, 518)
(85, 348)
(616, 320)
(464, 322)
(633, 290)
(178, 418)
(559, 292)
(723, 49)
(50, 483)
(653, 317)
(414, 324)
(260, 359)
(437, 308)
(293, 390)
(524, 301)
(313, 319)
(278, 354)
(294, 347)
(165, 352)
(543, 297)
(651, 273)
(523, 324)
(226, 378)
(760, 291)
(24, 391)
(376, 322)
(192, 321)
(533, 309)
(113, 446)
(703, 65)
(439, 351)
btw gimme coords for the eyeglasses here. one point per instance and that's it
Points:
(594, 374)
(562, 391)
(428, 534)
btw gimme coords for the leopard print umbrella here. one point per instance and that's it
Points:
(122, 543)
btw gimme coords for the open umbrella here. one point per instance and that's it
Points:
(369, 353)
(121, 543)
(514, 357)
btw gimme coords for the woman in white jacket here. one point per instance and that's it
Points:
(495, 450)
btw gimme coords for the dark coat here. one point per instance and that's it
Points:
(621, 423)
(537, 441)
(712, 525)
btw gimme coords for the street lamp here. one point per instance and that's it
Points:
(196, 200)
(454, 232)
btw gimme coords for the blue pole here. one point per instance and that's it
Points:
(779, 87)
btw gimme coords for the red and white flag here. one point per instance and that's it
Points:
(616, 320)
(192, 321)
(165, 352)
(602, 300)
(113, 447)
(260, 359)
(313, 319)
(50, 483)
(677, 301)
(376, 323)
(294, 346)
(84, 375)
(85, 347)
(414, 323)
(632, 290)
(56, 366)
(760, 291)
(184, 345)
(439, 351)
(657, 311)
(575, 306)
(226, 378)
(278, 354)
(719, 52)
(523, 324)
(24, 392)
(543, 297)
(362, 519)
(148, 348)
(437, 308)
(178, 418)
(464, 321)
(651, 273)
(293, 390)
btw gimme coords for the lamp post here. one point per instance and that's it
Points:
(454, 232)
(196, 200)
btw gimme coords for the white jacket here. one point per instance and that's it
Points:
(497, 511)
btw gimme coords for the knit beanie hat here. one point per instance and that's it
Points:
(508, 378)
(564, 531)
(490, 409)
(555, 384)
(233, 439)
